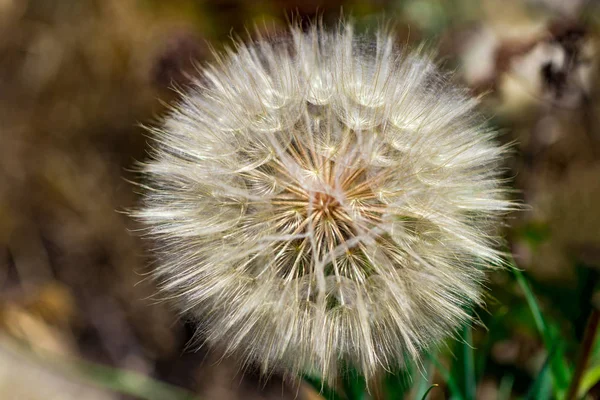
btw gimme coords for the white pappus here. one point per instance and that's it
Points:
(323, 201)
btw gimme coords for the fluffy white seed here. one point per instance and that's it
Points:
(324, 201)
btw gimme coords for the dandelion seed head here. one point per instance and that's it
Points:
(324, 201)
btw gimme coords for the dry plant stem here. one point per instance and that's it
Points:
(589, 337)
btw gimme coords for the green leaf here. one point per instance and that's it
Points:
(558, 364)
(589, 380)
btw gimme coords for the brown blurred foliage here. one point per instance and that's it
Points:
(77, 77)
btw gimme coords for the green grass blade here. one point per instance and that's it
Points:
(589, 380)
(423, 384)
(558, 364)
(482, 356)
(470, 385)
(542, 385)
(424, 397)
(533, 304)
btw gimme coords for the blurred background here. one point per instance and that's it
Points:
(78, 77)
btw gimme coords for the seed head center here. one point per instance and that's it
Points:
(325, 203)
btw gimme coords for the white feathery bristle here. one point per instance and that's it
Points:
(325, 201)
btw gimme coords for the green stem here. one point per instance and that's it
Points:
(424, 397)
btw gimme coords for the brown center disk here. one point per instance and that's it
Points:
(325, 203)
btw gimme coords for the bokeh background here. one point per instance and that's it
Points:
(79, 77)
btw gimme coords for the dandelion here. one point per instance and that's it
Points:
(324, 201)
